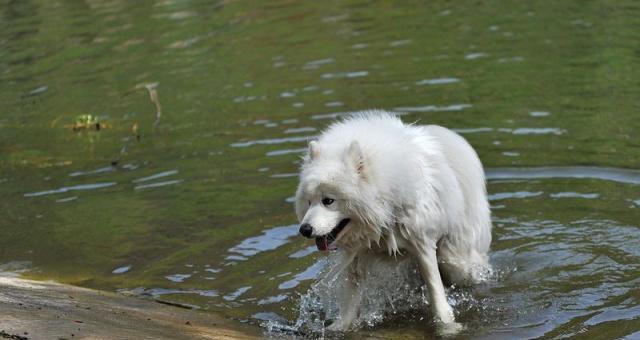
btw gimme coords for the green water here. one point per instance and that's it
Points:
(529, 84)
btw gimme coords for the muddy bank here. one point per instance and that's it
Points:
(47, 310)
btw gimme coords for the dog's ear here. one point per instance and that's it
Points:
(314, 150)
(355, 157)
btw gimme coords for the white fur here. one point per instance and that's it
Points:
(411, 189)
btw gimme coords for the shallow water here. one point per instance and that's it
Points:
(184, 191)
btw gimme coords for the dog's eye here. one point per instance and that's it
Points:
(327, 201)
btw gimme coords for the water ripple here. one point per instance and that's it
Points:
(178, 277)
(308, 274)
(312, 65)
(509, 195)
(96, 171)
(269, 240)
(629, 176)
(269, 141)
(71, 188)
(574, 195)
(156, 292)
(285, 152)
(332, 115)
(472, 56)
(355, 74)
(236, 294)
(158, 184)
(300, 129)
(156, 176)
(121, 270)
(517, 131)
(433, 108)
(438, 81)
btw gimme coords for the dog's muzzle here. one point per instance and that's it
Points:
(323, 242)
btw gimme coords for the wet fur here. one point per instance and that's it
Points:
(408, 189)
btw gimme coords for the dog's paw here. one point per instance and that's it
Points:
(443, 314)
(338, 326)
(449, 328)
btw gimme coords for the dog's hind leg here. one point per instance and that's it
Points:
(443, 313)
(461, 265)
(453, 269)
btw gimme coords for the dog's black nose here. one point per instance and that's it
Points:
(306, 230)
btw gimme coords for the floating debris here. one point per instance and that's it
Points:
(87, 122)
(153, 95)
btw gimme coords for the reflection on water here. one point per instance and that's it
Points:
(91, 186)
(476, 55)
(156, 176)
(510, 195)
(121, 270)
(518, 131)
(67, 199)
(300, 129)
(157, 292)
(236, 294)
(269, 240)
(610, 174)
(437, 81)
(433, 108)
(178, 277)
(574, 195)
(157, 184)
(355, 74)
(307, 274)
(96, 171)
(198, 210)
(539, 113)
(285, 152)
(294, 139)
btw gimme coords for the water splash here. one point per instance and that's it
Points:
(393, 293)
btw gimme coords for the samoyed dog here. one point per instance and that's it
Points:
(372, 186)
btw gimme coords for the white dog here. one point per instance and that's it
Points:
(371, 185)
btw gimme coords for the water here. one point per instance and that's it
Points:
(151, 147)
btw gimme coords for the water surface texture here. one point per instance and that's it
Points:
(151, 147)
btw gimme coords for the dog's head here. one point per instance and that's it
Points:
(332, 198)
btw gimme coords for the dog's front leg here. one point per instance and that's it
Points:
(349, 297)
(426, 256)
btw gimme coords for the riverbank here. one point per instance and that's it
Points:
(48, 310)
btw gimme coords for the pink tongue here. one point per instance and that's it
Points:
(322, 243)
